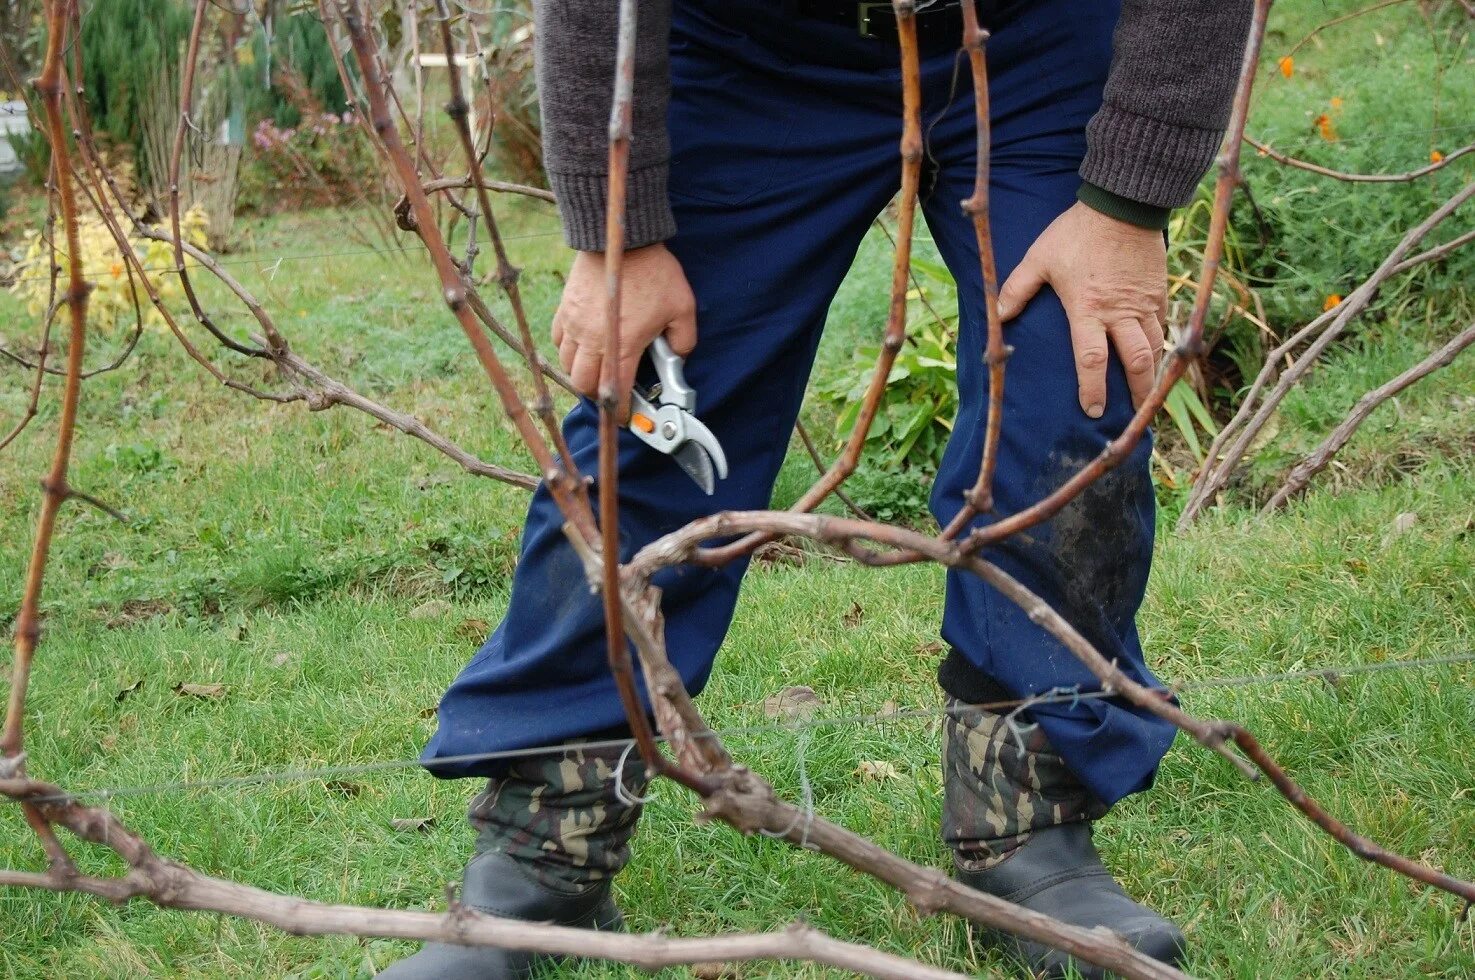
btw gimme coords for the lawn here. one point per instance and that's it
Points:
(319, 580)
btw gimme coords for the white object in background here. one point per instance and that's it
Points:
(466, 65)
(12, 120)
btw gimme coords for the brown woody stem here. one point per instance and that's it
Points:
(618, 649)
(1254, 413)
(54, 485)
(452, 285)
(980, 499)
(1317, 459)
(1351, 178)
(507, 273)
(851, 536)
(170, 884)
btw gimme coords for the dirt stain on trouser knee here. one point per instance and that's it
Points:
(1100, 544)
(1090, 564)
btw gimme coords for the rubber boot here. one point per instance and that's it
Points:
(1019, 825)
(552, 834)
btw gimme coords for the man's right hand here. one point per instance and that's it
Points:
(655, 299)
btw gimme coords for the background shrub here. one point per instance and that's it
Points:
(281, 73)
(126, 46)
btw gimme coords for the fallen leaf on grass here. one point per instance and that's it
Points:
(879, 770)
(410, 824)
(136, 611)
(1288, 66)
(1267, 433)
(212, 692)
(342, 787)
(856, 614)
(281, 659)
(432, 609)
(125, 691)
(889, 709)
(934, 646)
(792, 702)
(781, 553)
(715, 971)
(1402, 524)
(474, 629)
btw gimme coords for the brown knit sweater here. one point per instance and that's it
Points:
(1173, 73)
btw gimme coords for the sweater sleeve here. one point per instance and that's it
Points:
(1174, 68)
(575, 52)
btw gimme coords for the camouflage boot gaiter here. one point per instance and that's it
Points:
(562, 816)
(1002, 781)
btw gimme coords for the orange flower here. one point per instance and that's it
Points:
(1330, 302)
(1287, 66)
(1323, 124)
(1435, 156)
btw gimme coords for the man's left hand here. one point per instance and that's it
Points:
(1112, 278)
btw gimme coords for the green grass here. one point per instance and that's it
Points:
(279, 553)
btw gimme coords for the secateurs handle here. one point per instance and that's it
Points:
(670, 369)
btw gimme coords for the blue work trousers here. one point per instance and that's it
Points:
(785, 137)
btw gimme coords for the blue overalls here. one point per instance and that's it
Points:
(784, 140)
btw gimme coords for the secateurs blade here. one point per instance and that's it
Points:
(662, 417)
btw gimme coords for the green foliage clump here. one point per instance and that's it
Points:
(22, 41)
(290, 73)
(1234, 332)
(116, 297)
(916, 413)
(127, 45)
(905, 442)
(325, 161)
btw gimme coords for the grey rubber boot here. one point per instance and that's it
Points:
(497, 884)
(1019, 825)
(553, 833)
(1058, 872)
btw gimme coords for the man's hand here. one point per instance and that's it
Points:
(1112, 278)
(655, 299)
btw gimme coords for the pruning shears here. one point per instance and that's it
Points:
(662, 417)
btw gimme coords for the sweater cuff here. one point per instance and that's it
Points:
(582, 200)
(1123, 208)
(1147, 160)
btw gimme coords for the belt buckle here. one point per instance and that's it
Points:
(863, 15)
